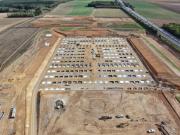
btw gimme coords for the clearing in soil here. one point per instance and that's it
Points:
(94, 112)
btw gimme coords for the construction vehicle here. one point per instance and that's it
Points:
(12, 113)
(152, 130)
(1, 115)
(59, 105)
(119, 116)
(105, 118)
(122, 125)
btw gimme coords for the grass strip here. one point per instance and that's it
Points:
(162, 55)
(80, 8)
(178, 98)
(69, 28)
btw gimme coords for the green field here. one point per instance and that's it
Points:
(73, 8)
(125, 26)
(178, 97)
(80, 8)
(28, 6)
(27, 0)
(69, 28)
(152, 11)
(109, 13)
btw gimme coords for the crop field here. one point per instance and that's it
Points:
(19, 39)
(8, 22)
(173, 5)
(129, 26)
(79, 8)
(6, 97)
(73, 8)
(109, 13)
(153, 11)
(126, 26)
(62, 9)
(69, 28)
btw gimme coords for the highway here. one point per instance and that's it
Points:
(164, 34)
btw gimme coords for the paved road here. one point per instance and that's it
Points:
(162, 33)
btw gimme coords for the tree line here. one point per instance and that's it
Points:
(173, 28)
(25, 13)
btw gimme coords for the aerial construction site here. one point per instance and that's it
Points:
(83, 70)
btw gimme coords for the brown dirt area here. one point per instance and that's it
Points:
(172, 99)
(89, 26)
(63, 21)
(158, 68)
(17, 76)
(92, 32)
(14, 42)
(6, 102)
(9, 22)
(84, 108)
(75, 22)
(96, 32)
(168, 57)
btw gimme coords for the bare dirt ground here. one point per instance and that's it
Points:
(155, 64)
(172, 99)
(172, 61)
(83, 25)
(84, 108)
(84, 32)
(20, 39)
(8, 22)
(6, 96)
(21, 72)
(18, 76)
(84, 22)
(3, 15)
(62, 22)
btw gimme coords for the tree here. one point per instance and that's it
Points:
(38, 11)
